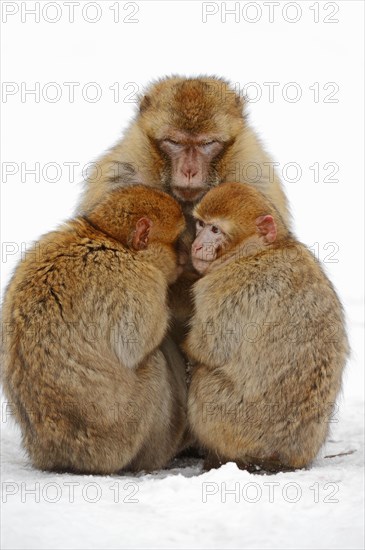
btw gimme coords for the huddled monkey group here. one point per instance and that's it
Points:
(175, 256)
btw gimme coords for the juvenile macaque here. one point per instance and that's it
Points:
(190, 135)
(267, 336)
(93, 385)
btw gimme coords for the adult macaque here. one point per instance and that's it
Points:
(84, 320)
(189, 135)
(267, 336)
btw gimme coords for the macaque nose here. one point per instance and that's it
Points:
(197, 247)
(189, 172)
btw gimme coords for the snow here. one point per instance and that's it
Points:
(184, 507)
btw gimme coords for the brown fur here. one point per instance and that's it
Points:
(205, 106)
(269, 341)
(94, 385)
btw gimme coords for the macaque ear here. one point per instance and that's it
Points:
(144, 104)
(266, 227)
(141, 234)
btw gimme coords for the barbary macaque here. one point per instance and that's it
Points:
(190, 135)
(92, 380)
(267, 336)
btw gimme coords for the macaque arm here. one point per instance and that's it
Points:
(214, 335)
(142, 320)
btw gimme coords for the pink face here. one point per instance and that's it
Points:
(190, 159)
(209, 241)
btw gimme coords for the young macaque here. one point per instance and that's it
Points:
(92, 382)
(189, 135)
(267, 336)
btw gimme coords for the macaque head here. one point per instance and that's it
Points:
(139, 217)
(233, 217)
(191, 125)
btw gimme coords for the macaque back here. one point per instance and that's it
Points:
(83, 370)
(269, 340)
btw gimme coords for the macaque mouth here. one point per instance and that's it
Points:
(201, 266)
(189, 194)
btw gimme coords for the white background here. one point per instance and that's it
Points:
(169, 38)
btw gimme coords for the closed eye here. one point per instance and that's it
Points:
(212, 147)
(171, 147)
(208, 144)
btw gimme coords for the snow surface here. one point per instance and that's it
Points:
(184, 507)
(328, 215)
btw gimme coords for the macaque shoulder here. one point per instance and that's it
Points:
(84, 271)
(264, 287)
(266, 290)
(239, 276)
(292, 261)
(246, 285)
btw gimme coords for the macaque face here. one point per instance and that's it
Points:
(207, 246)
(190, 159)
(192, 125)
